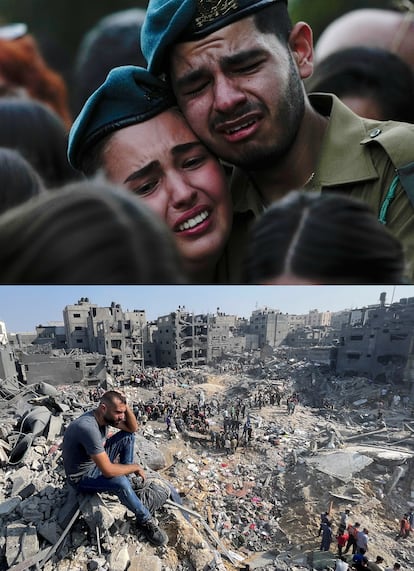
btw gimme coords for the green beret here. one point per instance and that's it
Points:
(129, 95)
(170, 21)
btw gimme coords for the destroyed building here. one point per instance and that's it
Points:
(270, 325)
(109, 331)
(377, 341)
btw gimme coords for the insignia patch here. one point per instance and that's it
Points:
(209, 10)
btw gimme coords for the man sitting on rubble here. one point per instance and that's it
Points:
(89, 458)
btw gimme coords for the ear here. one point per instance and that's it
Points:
(301, 45)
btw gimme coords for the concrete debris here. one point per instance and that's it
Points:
(340, 464)
(257, 450)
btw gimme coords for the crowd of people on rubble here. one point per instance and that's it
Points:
(351, 541)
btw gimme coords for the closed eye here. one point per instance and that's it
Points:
(194, 89)
(146, 188)
(194, 162)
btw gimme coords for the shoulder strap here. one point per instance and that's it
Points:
(397, 140)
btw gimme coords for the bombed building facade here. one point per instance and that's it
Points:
(377, 342)
(108, 331)
(374, 341)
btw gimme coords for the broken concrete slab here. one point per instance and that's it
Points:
(9, 506)
(147, 562)
(340, 464)
(21, 543)
(21, 482)
(119, 558)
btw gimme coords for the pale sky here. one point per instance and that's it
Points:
(24, 307)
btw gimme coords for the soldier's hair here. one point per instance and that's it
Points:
(274, 19)
(91, 162)
(323, 238)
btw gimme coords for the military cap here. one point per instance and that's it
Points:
(169, 21)
(129, 95)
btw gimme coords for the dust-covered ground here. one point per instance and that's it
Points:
(271, 493)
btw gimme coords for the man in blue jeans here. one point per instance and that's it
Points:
(89, 458)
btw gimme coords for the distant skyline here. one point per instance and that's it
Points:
(22, 308)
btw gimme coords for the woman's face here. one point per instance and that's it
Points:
(164, 163)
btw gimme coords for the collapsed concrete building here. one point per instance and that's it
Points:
(374, 341)
(378, 342)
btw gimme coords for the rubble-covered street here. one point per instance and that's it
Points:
(253, 476)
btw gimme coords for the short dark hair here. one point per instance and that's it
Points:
(368, 72)
(39, 135)
(88, 231)
(91, 161)
(326, 238)
(18, 179)
(110, 43)
(111, 396)
(274, 19)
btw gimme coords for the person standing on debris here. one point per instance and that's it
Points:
(404, 527)
(323, 519)
(362, 540)
(89, 458)
(342, 539)
(411, 520)
(291, 405)
(395, 567)
(326, 536)
(352, 530)
(344, 517)
(227, 444)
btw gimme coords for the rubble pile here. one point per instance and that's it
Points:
(348, 444)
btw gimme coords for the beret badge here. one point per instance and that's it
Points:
(209, 10)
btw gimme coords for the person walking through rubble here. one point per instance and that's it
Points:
(344, 517)
(362, 540)
(342, 539)
(411, 520)
(89, 458)
(326, 536)
(352, 530)
(404, 528)
(291, 405)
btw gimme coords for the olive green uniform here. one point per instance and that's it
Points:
(355, 159)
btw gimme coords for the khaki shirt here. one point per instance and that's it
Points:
(352, 160)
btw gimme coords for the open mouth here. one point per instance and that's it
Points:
(193, 222)
(239, 128)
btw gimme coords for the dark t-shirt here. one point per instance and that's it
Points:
(83, 437)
